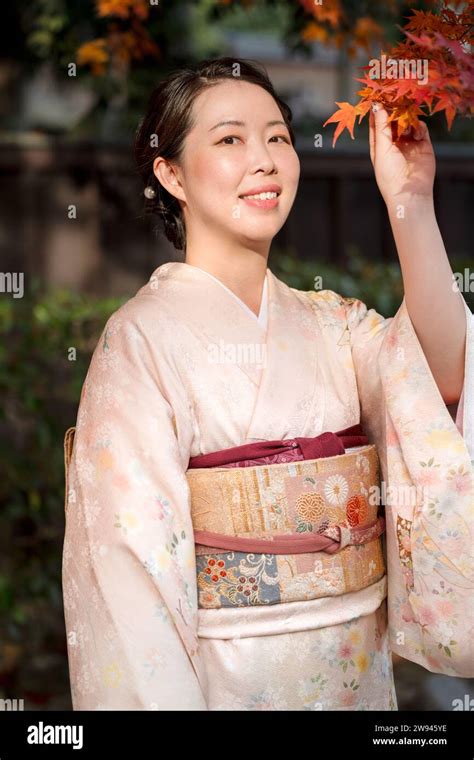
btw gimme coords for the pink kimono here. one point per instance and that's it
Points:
(183, 369)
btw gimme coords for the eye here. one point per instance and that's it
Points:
(283, 137)
(234, 137)
(229, 137)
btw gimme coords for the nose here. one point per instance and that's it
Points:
(261, 158)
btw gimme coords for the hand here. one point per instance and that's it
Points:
(404, 168)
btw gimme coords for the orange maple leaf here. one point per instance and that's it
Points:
(447, 103)
(345, 118)
(405, 116)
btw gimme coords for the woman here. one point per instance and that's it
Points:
(164, 608)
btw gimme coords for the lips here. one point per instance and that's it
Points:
(262, 189)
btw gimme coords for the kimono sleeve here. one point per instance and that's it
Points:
(129, 580)
(426, 463)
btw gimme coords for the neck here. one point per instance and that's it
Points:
(242, 270)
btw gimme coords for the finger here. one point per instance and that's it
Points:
(407, 134)
(422, 132)
(372, 137)
(383, 131)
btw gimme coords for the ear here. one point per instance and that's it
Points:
(168, 176)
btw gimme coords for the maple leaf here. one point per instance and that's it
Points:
(424, 41)
(405, 117)
(456, 49)
(366, 92)
(440, 38)
(345, 118)
(362, 107)
(423, 95)
(372, 84)
(447, 103)
(404, 88)
(467, 80)
(423, 21)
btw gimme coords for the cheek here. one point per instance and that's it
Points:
(217, 172)
(292, 169)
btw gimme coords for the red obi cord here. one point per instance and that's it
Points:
(288, 450)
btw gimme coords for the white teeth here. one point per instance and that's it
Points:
(262, 196)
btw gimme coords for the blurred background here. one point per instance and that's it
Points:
(75, 76)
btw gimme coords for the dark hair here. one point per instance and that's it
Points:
(169, 118)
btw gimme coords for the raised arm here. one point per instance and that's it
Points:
(405, 171)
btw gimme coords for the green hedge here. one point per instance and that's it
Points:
(40, 388)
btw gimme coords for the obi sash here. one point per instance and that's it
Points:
(271, 525)
(281, 521)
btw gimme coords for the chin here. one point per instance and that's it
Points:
(261, 236)
(261, 230)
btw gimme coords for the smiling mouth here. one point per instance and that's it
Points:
(273, 195)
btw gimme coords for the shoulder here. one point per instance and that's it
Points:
(133, 343)
(331, 305)
(329, 299)
(151, 311)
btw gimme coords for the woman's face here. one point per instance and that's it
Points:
(220, 164)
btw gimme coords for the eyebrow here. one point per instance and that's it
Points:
(236, 123)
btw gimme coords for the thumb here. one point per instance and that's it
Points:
(383, 130)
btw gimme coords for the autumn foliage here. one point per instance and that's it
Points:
(331, 25)
(127, 38)
(332, 22)
(431, 70)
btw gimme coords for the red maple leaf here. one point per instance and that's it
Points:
(439, 38)
(456, 49)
